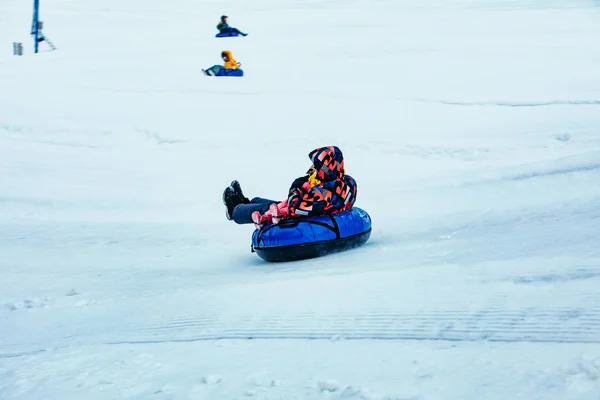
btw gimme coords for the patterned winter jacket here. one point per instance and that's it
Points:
(336, 191)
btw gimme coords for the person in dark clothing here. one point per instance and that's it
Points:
(224, 27)
(324, 189)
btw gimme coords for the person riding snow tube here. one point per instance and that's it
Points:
(230, 66)
(324, 189)
(225, 30)
(317, 217)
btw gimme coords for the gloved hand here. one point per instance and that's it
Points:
(277, 212)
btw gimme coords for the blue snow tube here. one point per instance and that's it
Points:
(310, 237)
(230, 72)
(226, 34)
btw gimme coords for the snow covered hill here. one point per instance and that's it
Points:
(471, 126)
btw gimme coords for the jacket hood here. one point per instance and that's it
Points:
(227, 53)
(328, 162)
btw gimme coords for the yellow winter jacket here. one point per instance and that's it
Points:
(231, 64)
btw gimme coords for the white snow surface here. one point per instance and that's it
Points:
(471, 126)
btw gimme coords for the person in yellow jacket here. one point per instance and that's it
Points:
(229, 63)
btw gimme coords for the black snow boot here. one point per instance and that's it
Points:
(238, 190)
(230, 200)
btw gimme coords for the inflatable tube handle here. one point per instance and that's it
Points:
(335, 226)
(287, 223)
(290, 223)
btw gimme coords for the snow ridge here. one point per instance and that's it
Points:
(513, 103)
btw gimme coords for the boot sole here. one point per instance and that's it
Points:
(237, 188)
(229, 217)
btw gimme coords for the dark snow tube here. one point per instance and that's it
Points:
(230, 72)
(298, 239)
(226, 34)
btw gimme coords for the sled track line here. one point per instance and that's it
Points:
(568, 318)
(511, 103)
(568, 325)
(481, 323)
(312, 337)
(342, 338)
(495, 324)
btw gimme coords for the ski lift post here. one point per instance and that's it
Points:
(35, 24)
(36, 28)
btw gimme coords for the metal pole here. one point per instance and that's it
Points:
(35, 24)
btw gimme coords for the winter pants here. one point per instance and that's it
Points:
(242, 213)
(234, 30)
(215, 69)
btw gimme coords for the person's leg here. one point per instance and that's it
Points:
(260, 200)
(214, 70)
(242, 213)
(236, 30)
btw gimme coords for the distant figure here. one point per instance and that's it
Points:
(224, 27)
(228, 64)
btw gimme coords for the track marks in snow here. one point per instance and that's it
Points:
(561, 324)
(587, 162)
(429, 152)
(559, 304)
(27, 303)
(15, 129)
(496, 323)
(525, 307)
(334, 390)
(556, 278)
(584, 167)
(159, 139)
(87, 139)
(512, 103)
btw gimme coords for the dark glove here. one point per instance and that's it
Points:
(297, 184)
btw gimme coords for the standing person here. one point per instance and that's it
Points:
(324, 189)
(224, 27)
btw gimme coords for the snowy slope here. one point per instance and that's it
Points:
(472, 128)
